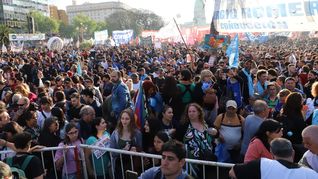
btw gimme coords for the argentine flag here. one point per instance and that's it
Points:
(233, 53)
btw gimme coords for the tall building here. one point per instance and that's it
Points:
(96, 11)
(63, 16)
(15, 13)
(54, 14)
(58, 14)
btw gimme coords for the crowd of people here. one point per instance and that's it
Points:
(192, 96)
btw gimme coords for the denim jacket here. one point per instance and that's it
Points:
(120, 98)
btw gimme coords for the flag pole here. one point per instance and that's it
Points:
(180, 33)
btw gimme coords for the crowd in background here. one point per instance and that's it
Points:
(219, 113)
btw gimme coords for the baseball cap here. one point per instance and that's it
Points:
(231, 103)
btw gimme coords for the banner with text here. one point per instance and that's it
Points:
(122, 36)
(100, 37)
(265, 16)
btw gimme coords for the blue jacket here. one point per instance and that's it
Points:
(120, 98)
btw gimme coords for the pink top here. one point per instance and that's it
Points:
(70, 167)
(256, 150)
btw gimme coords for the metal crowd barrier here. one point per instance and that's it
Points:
(6, 153)
(119, 153)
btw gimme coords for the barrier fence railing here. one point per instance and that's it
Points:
(126, 159)
(118, 154)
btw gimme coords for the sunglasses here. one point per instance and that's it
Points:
(20, 104)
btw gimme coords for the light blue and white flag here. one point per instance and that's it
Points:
(233, 53)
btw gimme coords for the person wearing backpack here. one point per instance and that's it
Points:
(186, 87)
(24, 164)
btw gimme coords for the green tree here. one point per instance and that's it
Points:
(149, 20)
(84, 25)
(66, 30)
(44, 24)
(101, 26)
(138, 20)
(4, 35)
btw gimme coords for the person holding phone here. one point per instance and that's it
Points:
(128, 137)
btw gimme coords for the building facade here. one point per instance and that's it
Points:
(15, 13)
(58, 14)
(96, 11)
(63, 16)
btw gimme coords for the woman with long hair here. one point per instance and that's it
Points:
(61, 119)
(167, 122)
(259, 146)
(24, 90)
(100, 160)
(49, 137)
(71, 168)
(197, 137)
(126, 136)
(31, 126)
(160, 138)
(293, 122)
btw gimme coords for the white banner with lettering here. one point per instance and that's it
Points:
(122, 36)
(100, 36)
(265, 16)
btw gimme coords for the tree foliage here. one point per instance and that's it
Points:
(85, 23)
(66, 30)
(4, 35)
(138, 20)
(44, 24)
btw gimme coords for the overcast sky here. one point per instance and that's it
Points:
(165, 8)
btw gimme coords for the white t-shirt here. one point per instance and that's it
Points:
(271, 169)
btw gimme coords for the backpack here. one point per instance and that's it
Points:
(19, 171)
(209, 98)
(187, 90)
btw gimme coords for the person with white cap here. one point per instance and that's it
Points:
(230, 127)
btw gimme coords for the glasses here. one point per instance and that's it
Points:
(20, 104)
(72, 133)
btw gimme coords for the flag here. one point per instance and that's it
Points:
(140, 110)
(16, 47)
(233, 53)
(79, 68)
(4, 49)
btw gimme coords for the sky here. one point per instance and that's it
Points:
(165, 8)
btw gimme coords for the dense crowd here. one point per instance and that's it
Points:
(219, 113)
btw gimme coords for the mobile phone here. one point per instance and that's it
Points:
(131, 174)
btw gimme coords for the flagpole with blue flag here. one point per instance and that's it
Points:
(140, 108)
(233, 53)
